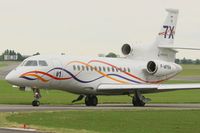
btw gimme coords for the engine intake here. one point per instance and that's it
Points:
(162, 68)
(126, 49)
(152, 67)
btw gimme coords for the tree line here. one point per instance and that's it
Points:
(12, 53)
(187, 61)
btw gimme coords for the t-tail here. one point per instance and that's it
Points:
(167, 32)
(165, 38)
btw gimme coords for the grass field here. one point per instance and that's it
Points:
(142, 121)
(190, 70)
(7, 63)
(2, 64)
(10, 95)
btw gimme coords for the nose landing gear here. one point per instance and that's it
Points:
(37, 96)
(90, 100)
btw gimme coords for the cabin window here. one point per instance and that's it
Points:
(87, 68)
(31, 63)
(117, 70)
(104, 69)
(129, 70)
(113, 69)
(79, 68)
(74, 67)
(95, 68)
(91, 68)
(42, 63)
(83, 68)
(108, 69)
(99, 68)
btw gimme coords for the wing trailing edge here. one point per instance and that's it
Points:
(145, 88)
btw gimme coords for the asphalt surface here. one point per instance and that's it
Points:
(9, 67)
(29, 108)
(4, 130)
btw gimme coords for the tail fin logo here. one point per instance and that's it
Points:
(169, 32)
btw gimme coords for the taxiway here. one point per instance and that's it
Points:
(28, 108)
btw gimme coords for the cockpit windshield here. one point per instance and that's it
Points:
(31, 63)
(34, 63)
(42, 63)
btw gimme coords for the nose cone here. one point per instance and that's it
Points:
(11, 78)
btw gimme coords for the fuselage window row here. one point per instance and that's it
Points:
(99, 68)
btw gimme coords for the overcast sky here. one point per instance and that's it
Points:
(90, 27)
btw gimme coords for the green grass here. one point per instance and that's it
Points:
(10, 95)
(190, 70)
(2, 64)
(141, 121)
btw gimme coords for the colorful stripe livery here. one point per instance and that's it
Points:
(46, 76)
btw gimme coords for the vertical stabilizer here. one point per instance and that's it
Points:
(160, 49)
(167, 32)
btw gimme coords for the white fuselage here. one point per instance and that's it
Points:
(83, 75)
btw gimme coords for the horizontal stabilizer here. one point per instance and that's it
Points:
(178, 47)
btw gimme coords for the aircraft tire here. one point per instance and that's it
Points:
(137, 102)
(35, 103)
(91, 100)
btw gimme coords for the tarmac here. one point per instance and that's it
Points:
(30, 108)
(12, 130)
(6, 69)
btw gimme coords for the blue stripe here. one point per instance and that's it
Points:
(82, 81)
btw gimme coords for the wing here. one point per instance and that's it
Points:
(144, 88)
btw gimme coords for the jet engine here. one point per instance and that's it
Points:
(127, 49)
(162, 68)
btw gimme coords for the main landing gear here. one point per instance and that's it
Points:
(90, 100)
(37, 96)
(139, 100)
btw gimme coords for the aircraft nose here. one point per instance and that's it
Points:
(11, 78)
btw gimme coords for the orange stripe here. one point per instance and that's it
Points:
(38, 77)
(101, 73)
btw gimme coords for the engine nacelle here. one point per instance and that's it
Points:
(162, 68)
(127, 49)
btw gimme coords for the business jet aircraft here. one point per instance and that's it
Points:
(141, 71)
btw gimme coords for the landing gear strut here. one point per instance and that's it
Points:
(139, 100)
(78, 99)
(37, 96)
(91, 100)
